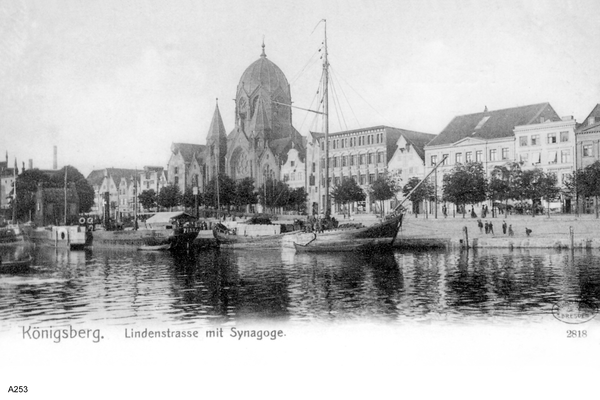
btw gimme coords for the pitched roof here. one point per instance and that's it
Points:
(586, 127)
(217, 129)
(418, 140)
(493, 124)
(188, 150)
(281, 147)
(96, 177)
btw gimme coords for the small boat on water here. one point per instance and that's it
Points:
(15, 265)
(158, 247)
(11, 235)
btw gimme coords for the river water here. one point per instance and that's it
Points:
(226, 287)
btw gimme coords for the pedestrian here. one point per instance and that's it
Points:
(480, 225)
(491, 228)
(445, 210)
(510, 231)
(487, 227)
(504, 227)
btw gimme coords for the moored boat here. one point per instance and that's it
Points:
(158, 247)
(72, 236)
(15, 265)
(228, 238)
(11, 235)
(376, 237)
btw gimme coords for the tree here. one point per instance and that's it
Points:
(587, 182)
(169, 196)
(537, 184)
(423, 192)
(548, 188)
(226, 193)
(188, 198)
(504, 183)
(465, 184)
(274, 194)
(29, 180)
(347, 192)
(244, 193)
(148, 199)
(298, 199)
(383, 189)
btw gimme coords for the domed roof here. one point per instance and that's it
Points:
(265, 74)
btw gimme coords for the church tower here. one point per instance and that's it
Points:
(216, 147)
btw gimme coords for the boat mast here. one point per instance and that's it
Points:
(66, 194)
(14, 200)
(135, 190)
(326, 113)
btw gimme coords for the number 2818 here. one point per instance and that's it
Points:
(576, 334)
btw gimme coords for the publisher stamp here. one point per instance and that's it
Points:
(574, 312)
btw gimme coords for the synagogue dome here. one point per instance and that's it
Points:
(265, 74)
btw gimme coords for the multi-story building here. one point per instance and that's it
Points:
(549, 146)
(487, 137)
(408, 160)
(186, 165)
(361, 154)
(588, 139)
(153, 177)
(7, 179)
(293, 168)
(108, 183)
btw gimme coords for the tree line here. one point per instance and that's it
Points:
(228, 194)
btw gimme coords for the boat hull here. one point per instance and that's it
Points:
(232, 241)
(71, 237)
(162, 247)
(15, 265)
(374, 238)
(338, 246)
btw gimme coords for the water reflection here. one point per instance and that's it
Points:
(227, 287)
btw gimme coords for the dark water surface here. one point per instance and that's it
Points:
(227, 287)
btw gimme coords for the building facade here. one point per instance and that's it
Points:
(7, 179)
(487, 137)
(186, 165)
(362, 155)
(109, 191)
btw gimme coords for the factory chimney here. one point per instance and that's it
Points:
(55, 164)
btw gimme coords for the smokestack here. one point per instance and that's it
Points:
(55, 165)
(30, 163)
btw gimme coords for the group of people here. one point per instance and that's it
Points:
(318, 223)
(489, 228)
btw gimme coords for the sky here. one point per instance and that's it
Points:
(114, 83)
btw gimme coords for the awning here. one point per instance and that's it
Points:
(167, 217)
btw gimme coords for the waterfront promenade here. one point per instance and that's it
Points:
(422, 232)
(553, 232)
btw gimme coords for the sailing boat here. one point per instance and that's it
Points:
(376, 237)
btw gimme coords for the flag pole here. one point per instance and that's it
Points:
(14, 202)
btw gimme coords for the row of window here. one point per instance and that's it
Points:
(551, 138)
(357, 159)
(343, 143)
(458, 157)
(536, 158)
(294, 176)
(361, 179)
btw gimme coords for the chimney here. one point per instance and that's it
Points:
(30, 163)
(55, 163)
(567, 118)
